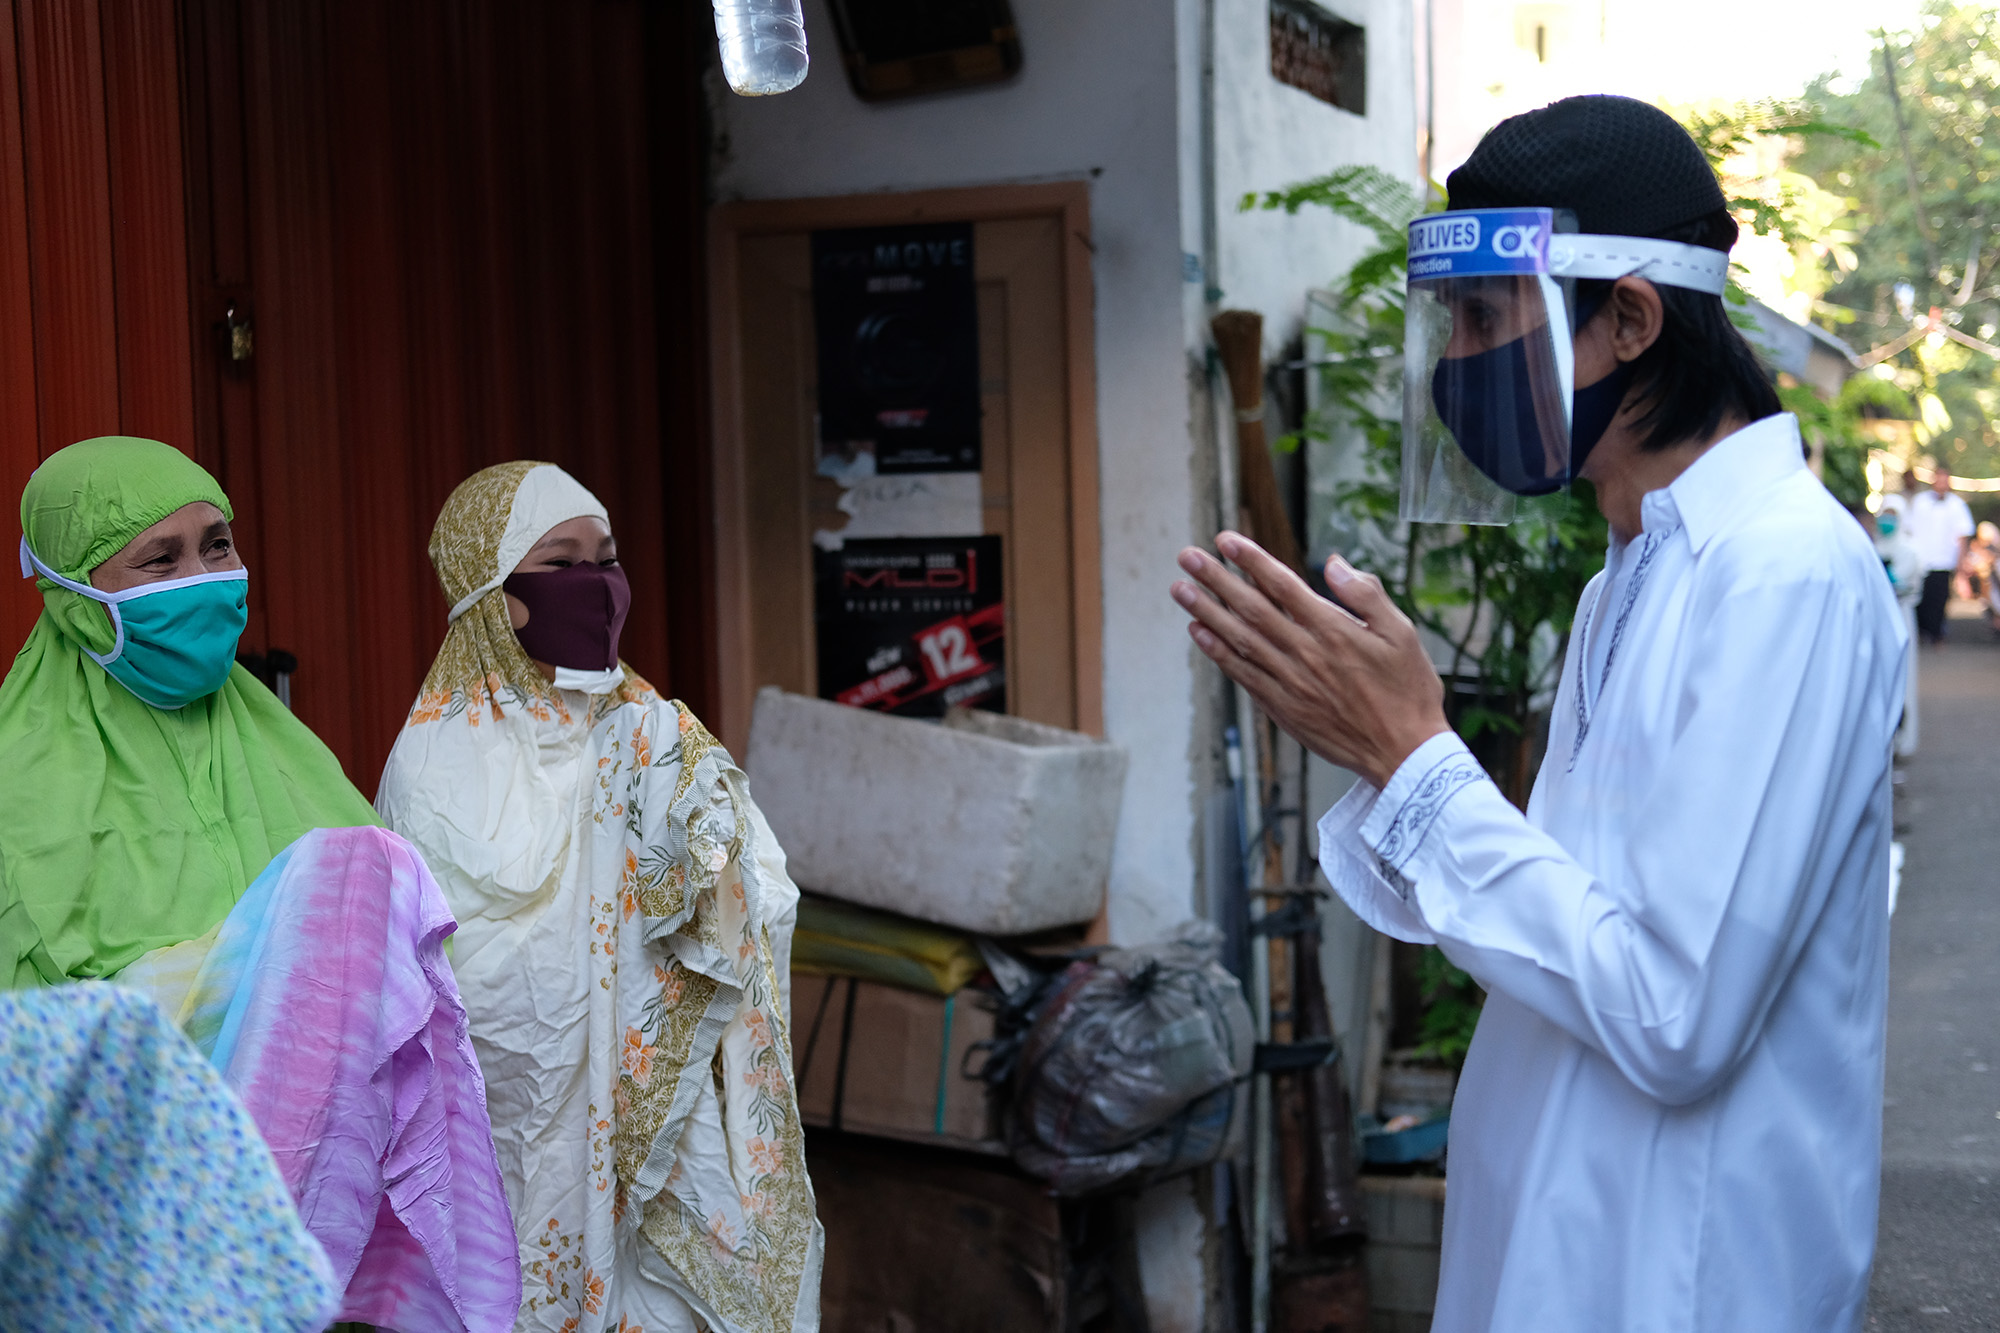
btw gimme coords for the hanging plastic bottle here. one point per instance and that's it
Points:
(763, 45)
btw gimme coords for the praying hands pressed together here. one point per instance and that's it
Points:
(1348, 679)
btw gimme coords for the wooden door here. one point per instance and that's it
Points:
(457, 231)
(1038, 488)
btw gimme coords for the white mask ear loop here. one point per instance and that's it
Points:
(31, 563)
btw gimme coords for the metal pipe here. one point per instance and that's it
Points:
(1260, 999)
(1245, 758)
(1211, 244)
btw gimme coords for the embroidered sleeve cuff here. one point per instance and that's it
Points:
(1351, 867)
(1417, 794)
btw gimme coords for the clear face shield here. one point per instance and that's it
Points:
(1491, 407)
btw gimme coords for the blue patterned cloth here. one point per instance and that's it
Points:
(135, 1193)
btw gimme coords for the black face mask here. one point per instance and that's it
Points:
(575, 615)
(1487, 403)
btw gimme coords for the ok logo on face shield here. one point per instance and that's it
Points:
(1516, 242)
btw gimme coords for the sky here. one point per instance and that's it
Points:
(1670, 51)
(1496, 58)
(1697, 50)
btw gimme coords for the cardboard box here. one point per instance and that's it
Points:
(876, 1059)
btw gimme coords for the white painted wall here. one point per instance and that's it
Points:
(1269, 134)
(1097, 98)
(1110, 92)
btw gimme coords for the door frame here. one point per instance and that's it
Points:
(729, 225)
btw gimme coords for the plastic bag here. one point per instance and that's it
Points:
(1135, 1068)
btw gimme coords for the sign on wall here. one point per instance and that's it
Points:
(898, 337)
(912, 625)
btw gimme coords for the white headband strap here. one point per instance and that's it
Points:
(471, 599)
(1674, 263)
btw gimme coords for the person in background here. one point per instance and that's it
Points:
(1940, 523)
(171, 826)
(1900, 558)
(1985, 557)
(1905, 568)
(625, 950)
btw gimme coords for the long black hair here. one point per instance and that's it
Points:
(1700, 371)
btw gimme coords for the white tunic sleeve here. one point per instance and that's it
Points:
(1666, 959)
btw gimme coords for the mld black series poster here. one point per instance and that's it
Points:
(898, 337)
(912, 625)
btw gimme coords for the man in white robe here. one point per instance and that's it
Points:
(1670, 1117)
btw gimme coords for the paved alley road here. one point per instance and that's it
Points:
(1937, 1265)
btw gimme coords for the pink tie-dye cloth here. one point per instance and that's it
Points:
(343, 1034)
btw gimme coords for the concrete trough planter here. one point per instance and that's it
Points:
(991, 824)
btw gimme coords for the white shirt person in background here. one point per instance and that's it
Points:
(1940, 523)
(1670, 1116)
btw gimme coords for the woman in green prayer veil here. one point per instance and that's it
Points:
(166, 823)
(148, 778)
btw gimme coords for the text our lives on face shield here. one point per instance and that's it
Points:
(1488, 367)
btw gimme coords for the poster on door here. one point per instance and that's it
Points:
(897, 330)
(912, 625)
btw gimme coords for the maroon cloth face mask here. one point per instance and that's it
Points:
(574, 615)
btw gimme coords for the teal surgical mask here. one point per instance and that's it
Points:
(173, 642)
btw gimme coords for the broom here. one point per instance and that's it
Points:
(1239, 344)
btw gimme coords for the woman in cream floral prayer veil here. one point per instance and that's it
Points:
(624, 941)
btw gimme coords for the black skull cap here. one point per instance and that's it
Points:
(1623, 166)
